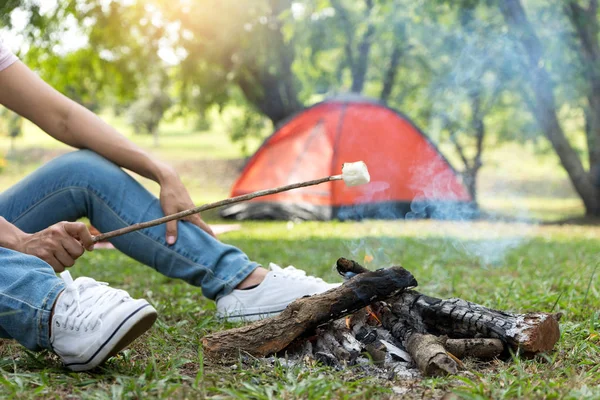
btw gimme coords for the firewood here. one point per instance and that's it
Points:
(344, 266)
(344, 336)
(436, 333)
(429, 354)
(327, 343)
(426, 350)
(271, 335)
(457, 318)
(422, 324)
(482, 348)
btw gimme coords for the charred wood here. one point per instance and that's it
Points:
(457, 318)
(271, 335)
(478, 348)
(427, 350)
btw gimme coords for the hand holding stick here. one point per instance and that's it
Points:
(353, 174)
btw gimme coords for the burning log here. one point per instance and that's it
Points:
(271, 335)
(397, 328)
(457, 318)
(417, 320)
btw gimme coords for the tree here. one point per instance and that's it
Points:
(586, 27)
(357, 56)
(146, 113)
(352, 46)
(242, 45)
(118, 53)
(12, 127)
(450, 64)
(544, 104)
(471, 72)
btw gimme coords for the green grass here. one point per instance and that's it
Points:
(179, 139)
(546, 268)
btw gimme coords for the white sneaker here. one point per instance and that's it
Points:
(280, 287)
(92, 322)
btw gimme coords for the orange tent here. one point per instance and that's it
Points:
(409, 177)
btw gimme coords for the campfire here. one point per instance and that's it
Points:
(376, 318)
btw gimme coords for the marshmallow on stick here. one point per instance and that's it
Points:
(353, 174)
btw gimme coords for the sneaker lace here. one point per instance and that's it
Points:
(88, 302)
(294, 273)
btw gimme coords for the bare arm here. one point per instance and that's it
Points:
(24, 92)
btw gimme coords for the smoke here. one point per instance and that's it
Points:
(481, 63)
(478, 66)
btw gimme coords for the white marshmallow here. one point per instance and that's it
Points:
(355, 173)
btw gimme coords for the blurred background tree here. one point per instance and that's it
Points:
(11, 125)
(470, 73)
(153, 101)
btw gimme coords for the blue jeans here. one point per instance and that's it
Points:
(84, 184)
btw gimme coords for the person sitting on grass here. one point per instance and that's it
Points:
(83, 321)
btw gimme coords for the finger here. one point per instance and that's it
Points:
(199, 222)
(171, 232)
(56, 265)
(64, 258)
(73, 247)
(81, 232)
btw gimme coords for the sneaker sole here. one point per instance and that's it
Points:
(136, 324)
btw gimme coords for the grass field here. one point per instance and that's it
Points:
(512, 266)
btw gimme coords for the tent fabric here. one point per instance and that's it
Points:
(409, 176)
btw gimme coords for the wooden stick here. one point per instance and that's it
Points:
(226, 202)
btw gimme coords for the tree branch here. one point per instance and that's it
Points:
(348, 29)
(391, 72)
(478, 127)
(389, 79)
(359, 69)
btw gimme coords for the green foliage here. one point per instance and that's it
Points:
(145, 114)
(454, 67)
(248, 126)
(11, 125)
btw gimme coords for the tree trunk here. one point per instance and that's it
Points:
(545, 105)
(361, 64)
(585, 23)
(11, 151)
(390, 74)
(269, 95)
(275, 94)
(479, 129)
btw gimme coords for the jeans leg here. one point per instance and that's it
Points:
(84, 184)
(28, 290)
